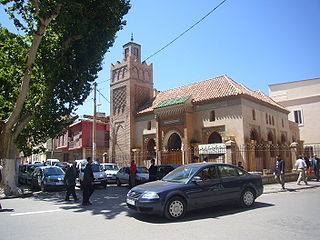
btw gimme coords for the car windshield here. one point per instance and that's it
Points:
(142, 170)
(109, 167)
(53, 171)
(181, 174)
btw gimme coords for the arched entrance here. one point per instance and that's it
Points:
(215, 137)
(173, 146)
(174, 142)
(151, 153)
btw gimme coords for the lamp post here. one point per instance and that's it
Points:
(94, 129)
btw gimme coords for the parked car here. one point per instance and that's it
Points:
(111, 170)
(63, 165)
(47, 177)
(122, 176)
(25, 171)
(100, 177)
(52, 161)
(164, 169)
(195, 186)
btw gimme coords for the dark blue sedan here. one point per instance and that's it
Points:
(195, 186)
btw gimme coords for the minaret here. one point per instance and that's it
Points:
(131, 86)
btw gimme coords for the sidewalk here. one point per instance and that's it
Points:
(290, 186)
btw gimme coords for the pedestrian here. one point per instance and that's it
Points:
(240, 165)
(279, 171)
(87, 183)
(133, 172)
(70, 180)
(301, 167)
(316, 166)
(308, 163)
(152, 171)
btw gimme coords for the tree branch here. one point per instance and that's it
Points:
(20, 125)
(71, 39)
(36, 5)
(14, 116)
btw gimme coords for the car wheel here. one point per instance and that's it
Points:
(247, 198)
(175, 208)
(43, 188)
(118, 182)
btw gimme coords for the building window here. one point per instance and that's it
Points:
(272, 120)
(267, 118)
(282, 123)
(149, 125)
(212, 116)
(253, 114)
(126, 52)
(298, 117)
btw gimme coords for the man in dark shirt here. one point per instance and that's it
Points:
(279, 171)
(152, 171)
(88, 183)
(70, 180)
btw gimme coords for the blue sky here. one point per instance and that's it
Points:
(256, 43)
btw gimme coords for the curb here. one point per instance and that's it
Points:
(290, 189)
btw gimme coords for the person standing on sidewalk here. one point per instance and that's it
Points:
(70, 180)
(88, 183)
(316, 166)
(152, 171)
(301, 168)
(132, 175)
(279, 171)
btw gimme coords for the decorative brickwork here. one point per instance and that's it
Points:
(119, 100)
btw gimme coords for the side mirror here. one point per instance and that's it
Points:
(196, 179)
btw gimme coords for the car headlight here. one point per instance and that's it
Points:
(150, 195)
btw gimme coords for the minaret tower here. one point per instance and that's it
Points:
(131, 86)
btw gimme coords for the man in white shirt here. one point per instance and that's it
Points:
(301, 167)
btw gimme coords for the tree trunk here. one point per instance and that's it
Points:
(10, 166)
(8, 178)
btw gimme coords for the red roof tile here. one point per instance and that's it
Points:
(208, 90)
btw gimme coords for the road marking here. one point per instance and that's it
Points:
(38, 212)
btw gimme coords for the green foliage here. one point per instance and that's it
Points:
(68, 60)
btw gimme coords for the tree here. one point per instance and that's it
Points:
(47, 72)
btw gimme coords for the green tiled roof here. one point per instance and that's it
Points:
(172, 101)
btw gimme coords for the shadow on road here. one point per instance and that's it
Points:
(213, 212)
(108, 202)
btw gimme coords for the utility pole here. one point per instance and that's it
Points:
(94, 129)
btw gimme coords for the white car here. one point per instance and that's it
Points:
(100, 177)
(122, 176)
(111, 170)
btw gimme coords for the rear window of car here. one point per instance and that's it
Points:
(228, 171)
(53, 171)
(142, 170)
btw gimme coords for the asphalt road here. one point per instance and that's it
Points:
(282, 215)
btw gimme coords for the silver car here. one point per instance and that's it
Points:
(122, 176)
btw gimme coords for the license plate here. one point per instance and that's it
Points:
(97, 182)
(59, 183)
(130, 201)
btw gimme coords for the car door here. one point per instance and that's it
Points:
(123, 175)
(205, 188)
(231, 182)
(34, 177)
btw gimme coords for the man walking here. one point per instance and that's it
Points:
(316, 166)
(301, 168)
(279, 171)
(88, 183)
(152, 171)
(70, 180)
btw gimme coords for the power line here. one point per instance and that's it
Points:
(103, 96)
(186, 30)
